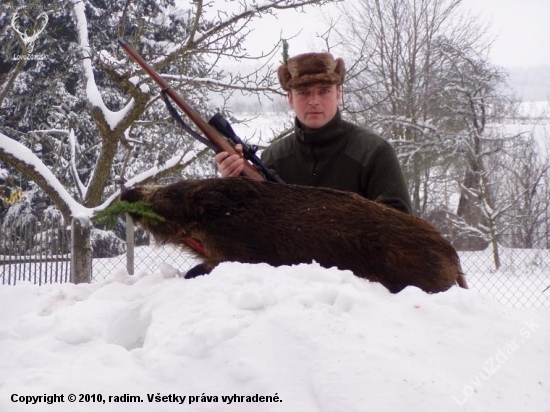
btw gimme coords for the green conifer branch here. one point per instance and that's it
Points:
(140, 208)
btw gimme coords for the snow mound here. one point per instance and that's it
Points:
(255, 337)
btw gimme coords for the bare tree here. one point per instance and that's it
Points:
(524, 180)
(108, 120)
(396, 78)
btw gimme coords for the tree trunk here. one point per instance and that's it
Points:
(129, 245)
(81, 251)
(494, 243)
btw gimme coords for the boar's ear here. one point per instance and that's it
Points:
(214, 203)
(131, 195)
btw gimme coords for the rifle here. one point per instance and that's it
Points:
(220, 136)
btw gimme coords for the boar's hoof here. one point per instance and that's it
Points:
(199, 270)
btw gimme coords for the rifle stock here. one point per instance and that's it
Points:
(209, 132)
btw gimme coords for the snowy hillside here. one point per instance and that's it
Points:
(258, 338)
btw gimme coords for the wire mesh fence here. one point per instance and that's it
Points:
(41, 254)
(522, 280)
(148, 259)
(38, 252)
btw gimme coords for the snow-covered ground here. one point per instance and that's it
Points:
(520, 282)
(258, 338)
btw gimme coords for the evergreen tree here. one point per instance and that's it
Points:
(84, 110)
(90, 114)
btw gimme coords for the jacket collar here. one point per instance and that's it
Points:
(326, 135)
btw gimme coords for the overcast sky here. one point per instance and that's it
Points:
(521, 28)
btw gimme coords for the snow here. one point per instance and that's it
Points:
(535, 110)
(304, 338)
(92, 91)
(259, 128)
(25, 155)
(181, 157)
(540, 131)
(310, 339)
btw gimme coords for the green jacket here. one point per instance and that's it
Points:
(341, 156)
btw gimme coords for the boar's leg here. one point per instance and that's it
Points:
(199, 270)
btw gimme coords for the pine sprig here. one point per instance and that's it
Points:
(140, 208)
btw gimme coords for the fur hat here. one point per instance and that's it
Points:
(309, 69)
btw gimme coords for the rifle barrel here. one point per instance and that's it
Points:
(211, 134)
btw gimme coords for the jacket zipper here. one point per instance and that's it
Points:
(315, 162)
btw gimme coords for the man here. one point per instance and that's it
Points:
(325, 150)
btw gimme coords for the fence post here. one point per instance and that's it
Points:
(81, 251)
(129, 245)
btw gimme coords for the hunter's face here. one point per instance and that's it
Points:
(315, 106)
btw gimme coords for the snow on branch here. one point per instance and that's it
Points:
(230, 18)
(425, 128)
(92, 91)
(23, 159)
(74, 170)
(213, 82)
(180, 160)
(154, 173)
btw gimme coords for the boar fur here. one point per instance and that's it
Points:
(239, 219)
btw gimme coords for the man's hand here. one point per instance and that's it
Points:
(230, 166)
